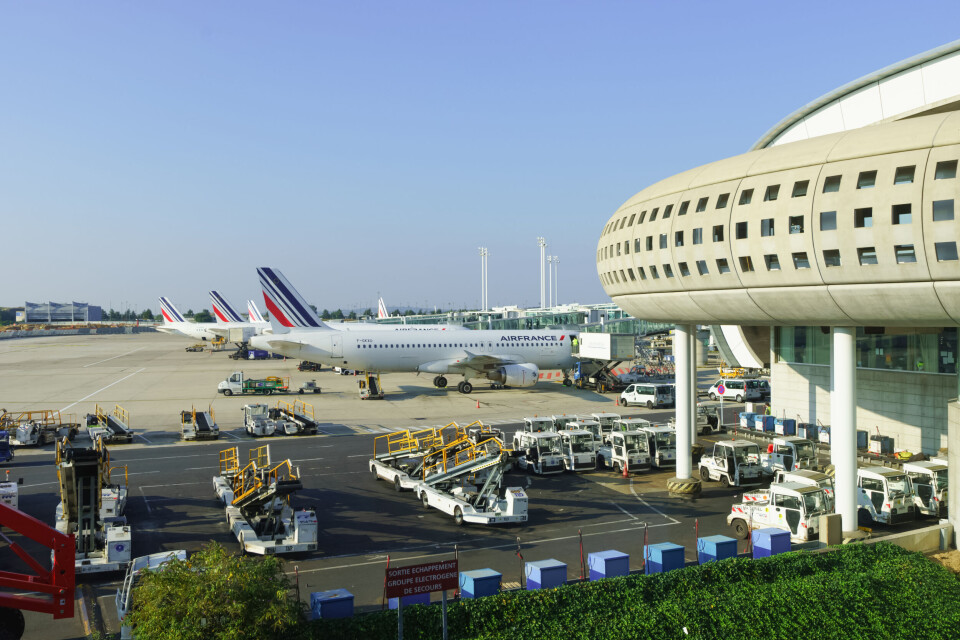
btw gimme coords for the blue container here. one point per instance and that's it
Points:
(769, 423)
(662, 557)
(479, 583)
(862, 438)
(545, 574)
(746, 420)
(337, 603)
(786, 427)
(770, 542)
(716, 548)
(824, 434)
(607, 564)
(420, 598)
(808, 431)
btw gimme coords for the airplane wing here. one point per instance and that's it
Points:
(470, 361)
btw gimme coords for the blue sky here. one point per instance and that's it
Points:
(370, 148)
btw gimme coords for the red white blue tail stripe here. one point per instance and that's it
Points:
(284, 303)
(169, 312)
(223, 309)
(382, 309)
(253, 313)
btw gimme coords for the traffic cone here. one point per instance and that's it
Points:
(478, 404)
(626, 469)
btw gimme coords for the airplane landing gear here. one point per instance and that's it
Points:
(440, 382)
(567, 382)
(464, 387)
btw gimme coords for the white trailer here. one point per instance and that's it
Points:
(930, 486)
(734, 462)
(789, 506)
(789, 453)
(625, 448)
(257, 503)
(662, 445)
(885, 495)
(579, 449)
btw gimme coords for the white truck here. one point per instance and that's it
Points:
(533, 425)
(885, 495)
(789, 506)
(593, 427)
(257, 422)
(606, 421)
(662, 445)
(789, 453)
(541, 452)
(810, 479)
(579, 449)
(124, 598)
(624, 448)
(930, 484)
(736, 463)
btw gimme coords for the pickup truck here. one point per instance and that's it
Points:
(789, 506)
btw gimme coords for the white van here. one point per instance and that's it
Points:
(648, 394)
(735, 389)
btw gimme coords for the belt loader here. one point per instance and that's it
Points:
(294, 419)
(92, 506)
(34, 428)
(112, 428)
(198, 425)
(462, 479)
(257, 500)
(789, 506)
(398, 457)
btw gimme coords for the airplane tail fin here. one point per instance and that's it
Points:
(382, 309)
(254, 314)
(169, 312)
(286, 306)
(223, 310)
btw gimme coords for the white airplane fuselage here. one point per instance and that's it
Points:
(195, 330)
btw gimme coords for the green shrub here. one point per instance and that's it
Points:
(858, 591)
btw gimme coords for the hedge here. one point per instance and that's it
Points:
(857, 591)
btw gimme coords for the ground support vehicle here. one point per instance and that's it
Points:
(809, 478)
(398, 457)
(194, 348)
(533, 425)
(560, 422)
(92, 505)
(540, 452)
(310, 386)
(463, 481)
(124, 597)
(257, 501)
(477, 431)
(598, 354)
(6, 451)
(597, 374)
(589, 425)
(579, 449)
(199, 425)
(648, 394)
(257, 421)
(789, 453)
(306, 365)
(930, 485)
(606, 421)
(240, 384)
(294, 419)
(624, 448)
(34, 428)
(112, 428)
(218, 344)
(242, 352)
(885, 495)
(370, 388)
(46, 589)
(734, 389)
(662, 445)
(630, 424)
(736, 463)
(789, 506)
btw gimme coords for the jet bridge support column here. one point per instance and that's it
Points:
(843, 427)
(684, 484)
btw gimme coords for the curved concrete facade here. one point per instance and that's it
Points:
(852, 228)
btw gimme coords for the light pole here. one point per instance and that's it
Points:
(483, 278)
(550, 281)
(543, 245)
(556, 280)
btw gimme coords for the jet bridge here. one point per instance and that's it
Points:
(257, 501)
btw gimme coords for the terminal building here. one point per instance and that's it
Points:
(829, 251)
(51, 312)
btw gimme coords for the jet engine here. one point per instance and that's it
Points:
(516, 375)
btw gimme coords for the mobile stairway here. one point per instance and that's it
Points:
(257, 501)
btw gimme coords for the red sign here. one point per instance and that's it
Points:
(422, 578)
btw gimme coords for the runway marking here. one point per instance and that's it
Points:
(113, 358)
(624, 510)
(650, 506)
(103, 388)
(509, 545)
(231, 435)
(144, 437)
(360, 455)
(150, 486)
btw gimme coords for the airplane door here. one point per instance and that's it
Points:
(336, 345)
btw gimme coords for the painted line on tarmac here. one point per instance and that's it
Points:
(510, 545)
(150, 486)
(650, 506)
(113, 358)
(103, 388)
(145, 439)
(227, 433)
(624, 510)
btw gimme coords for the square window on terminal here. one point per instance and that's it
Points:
(746, 264)
(666, 212)
(771, 193)
(901, 214)
(653, 272)
(684, 269)
(942, 210)
(904, 175)
(722, 265)
(678, 238)
(702, 267)
(668, 271)
(698, 236)
(683, 208)
(766, 227)
(718, 233)
(800, 188)
(831, 257)
(643, 274)
(741, 230)
(831, 184)
(649, 243)
(643, 214)
(946, 251)
(867, 180)
(800, 260)
(867, 255)
(905, 253)
(772, 262)
(653, 214)
(722, 200)
(746, 196)
(863, 217)
(796, 224)
(828, 220)
(702, 204)
(663, 241)
(946, 170)
(632, 216)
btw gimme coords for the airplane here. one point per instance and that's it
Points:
(229, 318)
(174, 322)
(254, 313)
(506, 358)
(382, 309)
